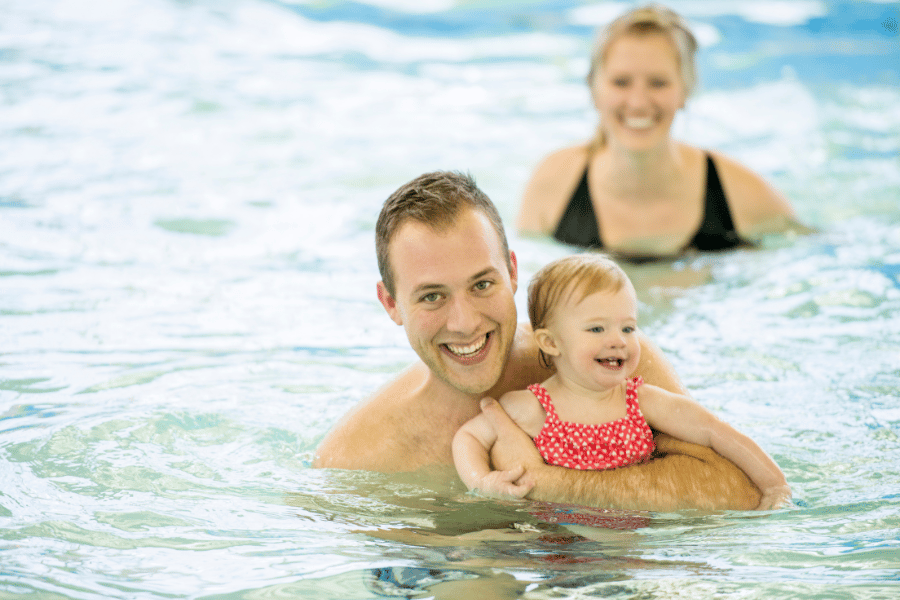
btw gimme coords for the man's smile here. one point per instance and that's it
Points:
(469, 353)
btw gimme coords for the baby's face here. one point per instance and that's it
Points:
(597, 338)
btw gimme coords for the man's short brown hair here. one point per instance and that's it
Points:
(435, 199)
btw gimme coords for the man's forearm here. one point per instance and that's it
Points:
(627, 488)
(689, 477)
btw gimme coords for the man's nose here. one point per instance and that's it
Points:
(463, 317)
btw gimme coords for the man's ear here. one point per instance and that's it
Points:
(513, 271)
(389, 303)
(546, 342)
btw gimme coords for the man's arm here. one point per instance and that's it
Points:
(689, 476)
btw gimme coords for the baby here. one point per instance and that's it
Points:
(591, 414)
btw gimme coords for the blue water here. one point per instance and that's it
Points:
(187, 196)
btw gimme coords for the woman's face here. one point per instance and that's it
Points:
(638, 90)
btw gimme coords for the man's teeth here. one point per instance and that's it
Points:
(467, 350)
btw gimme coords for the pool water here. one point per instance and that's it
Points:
(188, 190)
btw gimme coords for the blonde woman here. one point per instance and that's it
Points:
(634, 190)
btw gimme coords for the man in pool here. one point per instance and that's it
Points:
(448, 277)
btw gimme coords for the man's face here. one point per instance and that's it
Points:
(454, 297)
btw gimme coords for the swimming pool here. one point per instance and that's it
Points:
(187, 196)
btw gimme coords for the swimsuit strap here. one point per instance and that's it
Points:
(540, 392)
(632, 407)
(717, 231)
(578, 225)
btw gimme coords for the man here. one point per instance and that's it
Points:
(448, 277)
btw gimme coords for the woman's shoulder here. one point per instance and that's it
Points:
(565, 157)
(735, 171)
(562, 166)
(550, 186)
(756, 206)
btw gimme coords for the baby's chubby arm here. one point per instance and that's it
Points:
(681, 417)
(474, 440)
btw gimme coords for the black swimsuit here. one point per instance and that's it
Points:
(579, 225)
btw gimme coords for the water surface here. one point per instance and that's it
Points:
(188, 191)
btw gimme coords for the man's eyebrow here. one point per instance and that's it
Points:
(427, 287)
(480, 274)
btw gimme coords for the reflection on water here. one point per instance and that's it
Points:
(187, 196)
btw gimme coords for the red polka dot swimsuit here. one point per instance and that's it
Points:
(618, 443)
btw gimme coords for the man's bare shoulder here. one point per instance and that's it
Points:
(371, 436)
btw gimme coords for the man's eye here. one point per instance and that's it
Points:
(482, 285)
(430, 298)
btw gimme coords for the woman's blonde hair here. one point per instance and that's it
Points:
(653, 19)
(571, 278)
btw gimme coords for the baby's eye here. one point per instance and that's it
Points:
(596, 329)
(629, 329)
(659, 83)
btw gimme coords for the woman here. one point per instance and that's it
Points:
(633, 190)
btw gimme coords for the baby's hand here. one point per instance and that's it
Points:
(774, 497)
(504, 484)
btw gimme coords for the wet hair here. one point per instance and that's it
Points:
(653, 19)
(437, 200)
(571, 278)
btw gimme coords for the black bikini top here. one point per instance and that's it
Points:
(579, 225)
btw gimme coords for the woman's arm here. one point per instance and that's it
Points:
(685, 419)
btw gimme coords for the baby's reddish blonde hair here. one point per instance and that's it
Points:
(571, 278)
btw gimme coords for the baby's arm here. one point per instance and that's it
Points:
(681, 417)
(471, 447)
